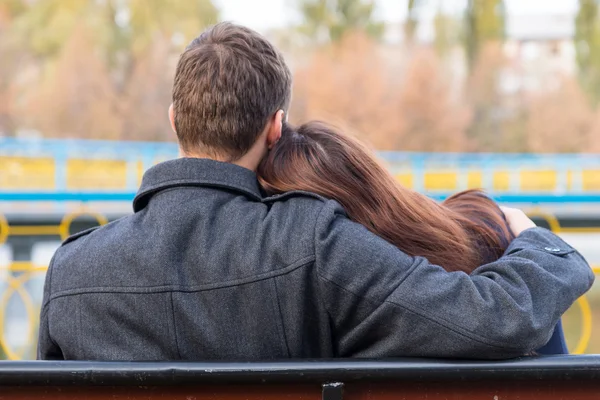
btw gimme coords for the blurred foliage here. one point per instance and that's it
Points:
(486, 130)
(104, 69)
(412, 19)
(10, 57)
(587, 46)
(484, 22)
(93, 68)
(447, 32)
(330, 20)
(448, 29)
(9, 9)
(553, 114)
(483, 33)
(350, 83)
(118, 25)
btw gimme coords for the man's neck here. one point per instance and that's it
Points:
(249, 160)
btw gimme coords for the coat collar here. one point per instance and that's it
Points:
(196, 172)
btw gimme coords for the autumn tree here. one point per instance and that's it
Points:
(447, 32)
(121, 27)
(143, 49)
(393, 108)
(46, 26)
(330, 20)
(447, 28)
(560, 121)
(114, 63)
(139, 23)
(594, 135)
(587, 46)
(347, 84)
(412, 20)
(434, 118)
(9, 11)
(77, 98)
(484, 22)
(147, 94)
(484, 95)
(12, 57)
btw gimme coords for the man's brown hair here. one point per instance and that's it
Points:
(229, 81)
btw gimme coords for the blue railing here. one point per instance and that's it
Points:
(529, 199)
(127, 150)
(567, 171)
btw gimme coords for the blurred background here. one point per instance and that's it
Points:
(453, 94)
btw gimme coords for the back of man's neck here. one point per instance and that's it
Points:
(244, 162)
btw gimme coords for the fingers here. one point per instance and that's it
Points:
(517, 220)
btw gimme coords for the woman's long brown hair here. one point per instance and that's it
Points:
(465, 231)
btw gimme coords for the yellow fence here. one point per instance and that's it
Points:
(23, 173)
(529, 180)
(19, 273)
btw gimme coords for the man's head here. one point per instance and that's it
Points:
(231, 86)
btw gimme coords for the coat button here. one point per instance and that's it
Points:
(552, 249)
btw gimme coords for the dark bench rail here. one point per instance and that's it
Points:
(550, 377)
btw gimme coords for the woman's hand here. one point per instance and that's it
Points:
(517, 220)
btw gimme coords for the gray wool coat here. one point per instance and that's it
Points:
(208, 268)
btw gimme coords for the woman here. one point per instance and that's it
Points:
(465, 231)
(462, 233)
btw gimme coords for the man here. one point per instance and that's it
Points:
(207, 268)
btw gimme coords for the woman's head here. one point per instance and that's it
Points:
(318, 159)
(484, 222)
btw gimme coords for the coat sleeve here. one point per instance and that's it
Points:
(384, 303)
(47, 349)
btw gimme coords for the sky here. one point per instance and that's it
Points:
(263, 15)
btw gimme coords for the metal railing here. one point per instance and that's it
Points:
(67, 166)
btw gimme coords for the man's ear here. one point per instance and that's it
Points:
(275, 127)
(172, 118)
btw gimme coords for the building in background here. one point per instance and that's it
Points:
(540, 51)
